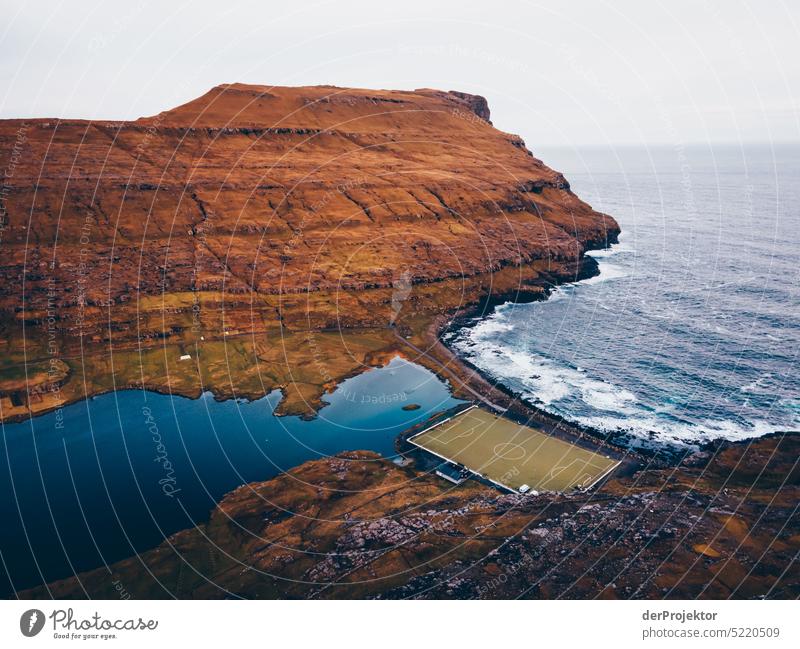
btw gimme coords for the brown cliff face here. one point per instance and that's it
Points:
(269, 211)
(254, 191)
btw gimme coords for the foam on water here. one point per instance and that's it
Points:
(547, 381)
(690, 331)
(607, 272)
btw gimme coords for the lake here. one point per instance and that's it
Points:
(129, 468)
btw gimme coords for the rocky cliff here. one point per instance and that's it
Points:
(268, 211)
(250, 192)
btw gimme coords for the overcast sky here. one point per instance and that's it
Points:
(558, 73)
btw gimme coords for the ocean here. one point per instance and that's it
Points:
(691, 330)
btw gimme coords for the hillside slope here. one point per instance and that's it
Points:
(251, 189)
(266, 210)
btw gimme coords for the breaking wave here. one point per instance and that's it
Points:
(679, 344)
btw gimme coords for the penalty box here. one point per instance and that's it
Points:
(512, 455)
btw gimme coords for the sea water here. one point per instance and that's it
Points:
(691, 330)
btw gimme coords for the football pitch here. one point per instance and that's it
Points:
(511, 455)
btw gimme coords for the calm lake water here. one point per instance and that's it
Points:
(692, 329)
(132, 467)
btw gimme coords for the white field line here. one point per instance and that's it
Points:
(436, 425)
(458, 463)
(613, 466)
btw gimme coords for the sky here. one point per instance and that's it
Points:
(558, 73)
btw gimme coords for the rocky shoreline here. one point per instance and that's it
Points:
(622, 441)
(680, 517)
(310, 231)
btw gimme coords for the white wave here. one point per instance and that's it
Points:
(497, 322)
(547, 382)
(532, 372)
(614, 249)
(491, 326)
(485, 331)
(757, 386)
(607, 272)
(604, 396)
(689, 433)
(561, 292)
(574, 393)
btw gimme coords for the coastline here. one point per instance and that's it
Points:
(721, 497)
(305, 303)
(526, 282)
(522, 407)
(644, 443)
(464, 378)
(620, 442)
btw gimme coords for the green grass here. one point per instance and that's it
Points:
(511, 454)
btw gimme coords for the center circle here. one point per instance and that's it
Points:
(509, 451)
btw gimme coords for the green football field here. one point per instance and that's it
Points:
(511, 454)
